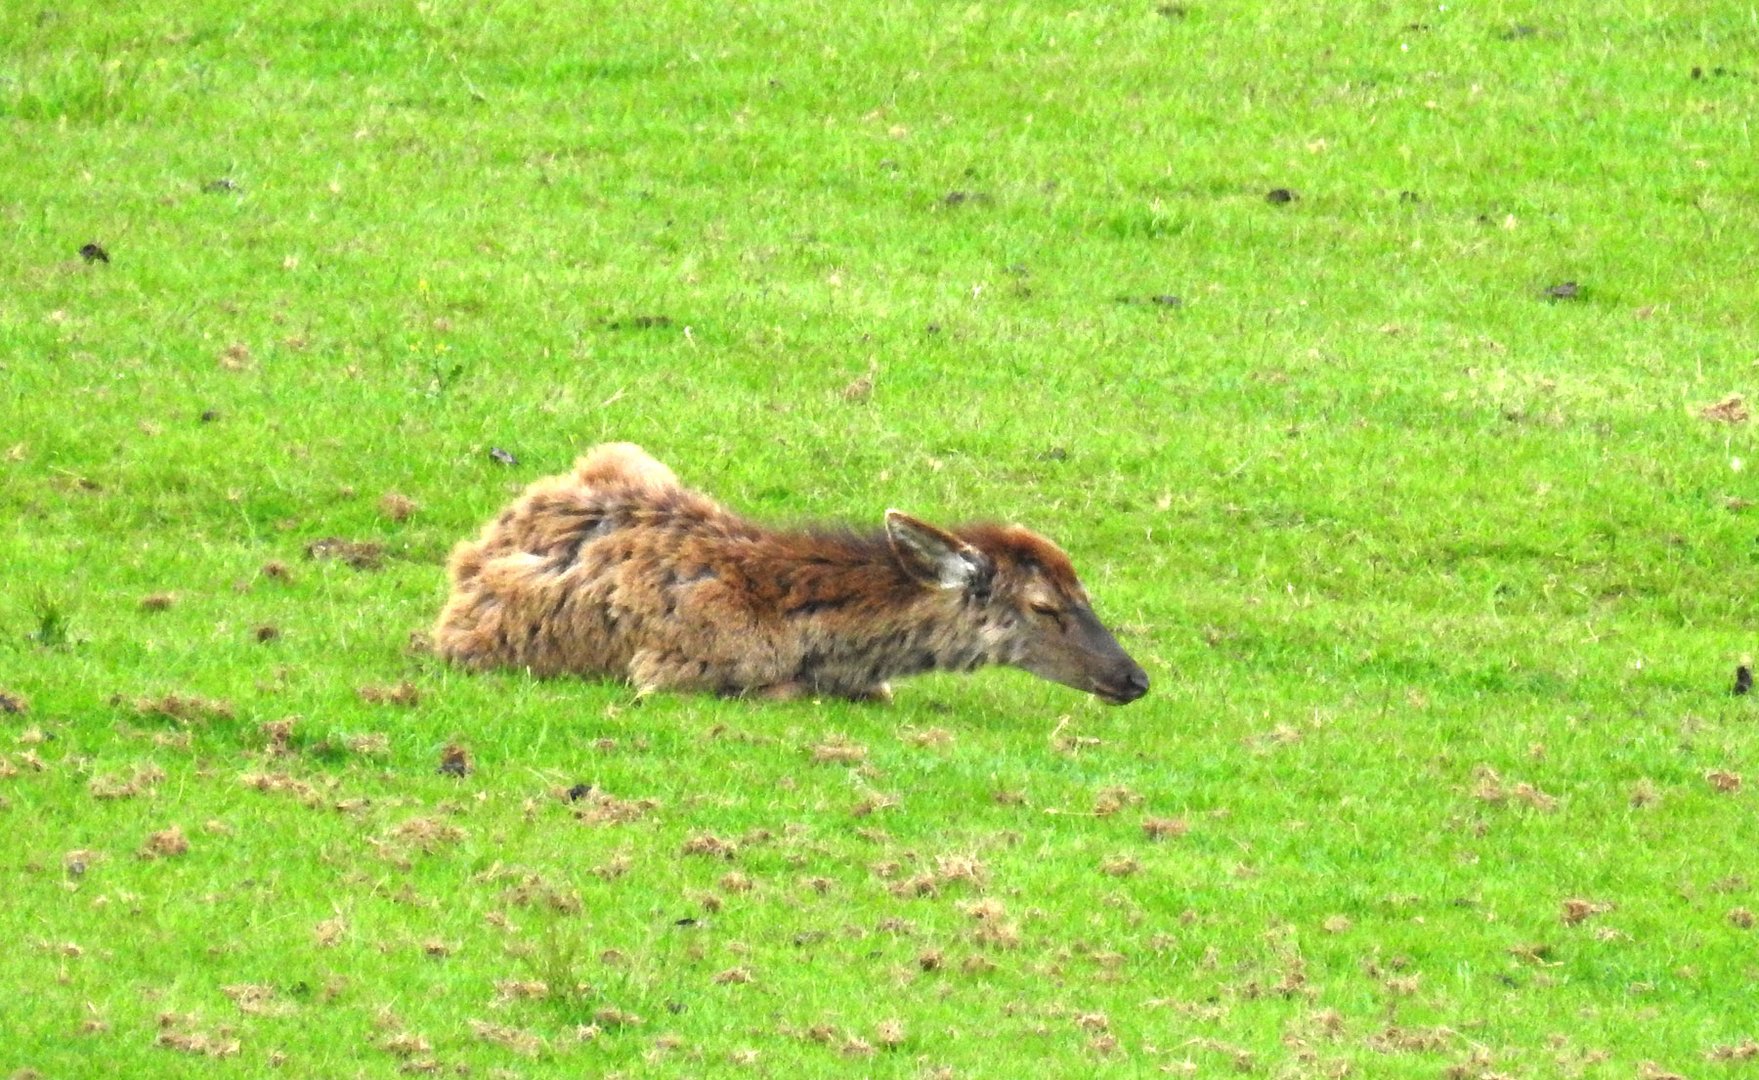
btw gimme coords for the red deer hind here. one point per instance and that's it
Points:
(618, 570)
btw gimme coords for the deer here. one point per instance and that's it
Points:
(617, 570)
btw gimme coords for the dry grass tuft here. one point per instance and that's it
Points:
(1577, 910)
(282, 784)
(141, 779)
(1730, 410)
(534, 890)
(602, 808)
(405, 1044)
(872, 803)
(1113, 799)
(509, 990)
(614, 867)
(860, 389)
(1724, 781)
(167, 843)
(710, 845)
(857, 1047)
(993, 927)
(256, 999)
(183, 708)
(198, 1043)
(361, 555)
(424, 834)
(1491, 788)
(13, 703)
(236, 357)
(609, 1017)
(398, 508)
(1418, 1040)
(923, 884)
(1119, 866)
(840, 752)
(1745, 1050)
(1158, 829)
(953, 869)
(935, 738)
(519, 1041)
(986, 909)
(404, 693)
(371, 744)
(278, 735)
(1532, 796)
(1066, 742)
(1536, 953)
(159, 601)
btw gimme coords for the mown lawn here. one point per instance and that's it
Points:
(1401, 485)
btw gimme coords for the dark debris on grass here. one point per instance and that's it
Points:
(640, 322)
(455, 761)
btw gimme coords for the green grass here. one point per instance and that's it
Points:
(1393, 534)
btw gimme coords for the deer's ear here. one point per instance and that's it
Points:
(934, 556)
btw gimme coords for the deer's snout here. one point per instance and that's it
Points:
(1124, 687)
(1135, 685)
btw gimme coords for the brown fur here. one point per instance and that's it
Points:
(616, 569)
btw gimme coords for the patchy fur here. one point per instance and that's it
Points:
(618, 570)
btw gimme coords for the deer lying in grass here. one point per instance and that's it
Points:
(616, 569)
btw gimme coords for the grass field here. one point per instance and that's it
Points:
(1442, 581)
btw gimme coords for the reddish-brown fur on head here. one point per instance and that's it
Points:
(616, 569)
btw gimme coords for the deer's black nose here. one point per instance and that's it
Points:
(1135, 684)
(1125, 688)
